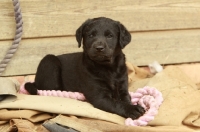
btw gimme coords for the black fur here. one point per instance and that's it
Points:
(99, 72)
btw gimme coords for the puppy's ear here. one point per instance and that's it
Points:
(79, 32)
(124, 36)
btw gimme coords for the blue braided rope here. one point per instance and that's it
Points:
(17, 39)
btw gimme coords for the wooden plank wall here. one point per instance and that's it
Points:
(164, 30)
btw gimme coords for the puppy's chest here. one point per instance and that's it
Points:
(112, 80)
(113, 83)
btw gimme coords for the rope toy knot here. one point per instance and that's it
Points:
(150, 99)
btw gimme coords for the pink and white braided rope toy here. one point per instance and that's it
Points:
(149, 98)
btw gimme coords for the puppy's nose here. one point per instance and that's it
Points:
(100, 48)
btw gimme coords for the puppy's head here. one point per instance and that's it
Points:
(103, 39)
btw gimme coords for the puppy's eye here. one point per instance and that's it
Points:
(109, 36)
(91, 35)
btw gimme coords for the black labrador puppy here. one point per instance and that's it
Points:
(99, 72)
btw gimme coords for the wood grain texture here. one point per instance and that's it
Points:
(49, 18)
(31, 51)
(166, 47)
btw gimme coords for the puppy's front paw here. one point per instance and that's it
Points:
(134, 111)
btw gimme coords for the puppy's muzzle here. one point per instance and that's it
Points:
(101, 53)
(99, 47)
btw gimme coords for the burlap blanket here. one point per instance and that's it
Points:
(179, 111)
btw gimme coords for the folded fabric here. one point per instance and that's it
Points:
(31, 115)
(60, 105)
(21, 125)
(178, 112)
(190, 70)
(94, 125)
(8, 88)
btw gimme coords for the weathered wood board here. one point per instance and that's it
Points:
(162, 30)
(48, 18)
(166, 47)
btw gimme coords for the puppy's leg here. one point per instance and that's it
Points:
(103, 100)
(125, 97)
(48, 76)
(123, 90)
(133, 111)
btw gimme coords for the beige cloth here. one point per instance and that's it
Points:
(94, 125)
(191, 70)
(179, 111)
(9, 87)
